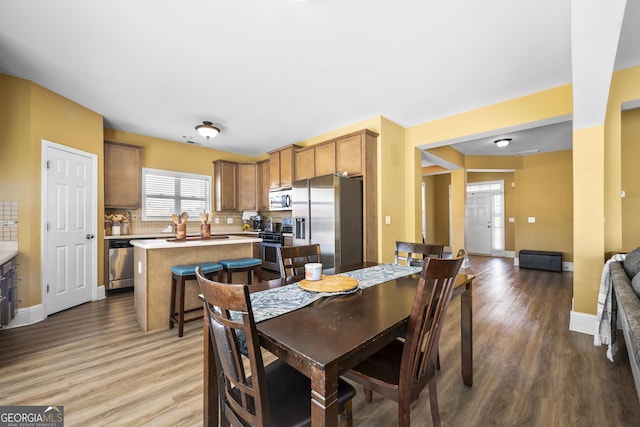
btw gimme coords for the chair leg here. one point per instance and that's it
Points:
(172, 309)
(433, 400)
(368, 395)
(404, 414)
(259, 271)
(219, 276)
(346, 416)
(181, 308)
(229, 278)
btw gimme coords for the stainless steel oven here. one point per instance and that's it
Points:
(271, 241)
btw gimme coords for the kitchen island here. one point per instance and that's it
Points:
(153, 260)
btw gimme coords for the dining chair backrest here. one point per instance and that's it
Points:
(430, 304)
(241, 397)
(405, 251)
(293, 258)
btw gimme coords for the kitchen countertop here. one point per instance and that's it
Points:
(164, 244)
(6, 255)
(8, 250)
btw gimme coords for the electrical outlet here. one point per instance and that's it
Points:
(532, 219)
(512, 219)
(217, 220)
(229, 220)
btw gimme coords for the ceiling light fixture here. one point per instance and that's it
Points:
(208, 130)
(503, 142)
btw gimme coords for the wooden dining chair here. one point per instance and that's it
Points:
(405, 251)
(403, 368)
(273, 395)
(293, 258)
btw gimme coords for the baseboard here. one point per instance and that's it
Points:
(35, 313)
(27, 316)
(509, 254)
(582, 322)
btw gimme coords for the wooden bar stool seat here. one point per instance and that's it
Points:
(182, 273)
(242, 264)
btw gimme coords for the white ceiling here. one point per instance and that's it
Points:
(271, 73)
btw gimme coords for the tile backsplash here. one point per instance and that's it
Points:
(8, 221)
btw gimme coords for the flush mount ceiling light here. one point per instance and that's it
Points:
(208, 130)
(503, 142)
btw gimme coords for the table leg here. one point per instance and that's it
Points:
(324, 397)
(466, 332)
(210, 381)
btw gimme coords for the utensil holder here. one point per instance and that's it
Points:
(205, 230)
(181, 231)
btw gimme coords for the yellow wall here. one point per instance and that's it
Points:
(630, 179)
(544, 190)
(441, 209)
(29, 114)
(168, 155)
(535, 108)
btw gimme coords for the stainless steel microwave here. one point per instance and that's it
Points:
(280, 200)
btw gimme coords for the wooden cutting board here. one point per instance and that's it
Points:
(329, 284)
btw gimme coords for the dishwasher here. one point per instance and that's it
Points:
(120, 264)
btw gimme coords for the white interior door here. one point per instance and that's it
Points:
(70, 209)
(478, 221)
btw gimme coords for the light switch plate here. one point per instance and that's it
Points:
(512, 219)
(532, 219)
(229, 220)
(387, 219)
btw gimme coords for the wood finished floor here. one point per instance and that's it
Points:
(529, 369)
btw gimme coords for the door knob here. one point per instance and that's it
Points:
(90, 236)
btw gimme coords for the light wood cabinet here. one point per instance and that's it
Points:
(350, 155)
(122, 175)
(304, 163)
(325, 158)
(263, 185)
(247, 187)
(225, 176)
(281, 167)
(316, 160)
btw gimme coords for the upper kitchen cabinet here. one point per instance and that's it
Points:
(225, 176)
(304, 163)
(325, 158)
(122, 175)
(264, 183)
(247, 186)
(281, 167)
(352, 151)
(316, 160)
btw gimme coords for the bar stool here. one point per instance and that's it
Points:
(242, 264)
(183, 273)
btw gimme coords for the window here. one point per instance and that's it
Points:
(168, 192)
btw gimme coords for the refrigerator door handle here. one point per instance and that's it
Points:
(299, 228)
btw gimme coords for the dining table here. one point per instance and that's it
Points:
(334, 333)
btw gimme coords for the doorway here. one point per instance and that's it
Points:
(484, 222)
(69, 212)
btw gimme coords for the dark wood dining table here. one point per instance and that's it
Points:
(328, 337)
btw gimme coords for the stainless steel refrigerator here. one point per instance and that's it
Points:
(328, 210)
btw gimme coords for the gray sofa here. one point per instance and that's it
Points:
(625, 305)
